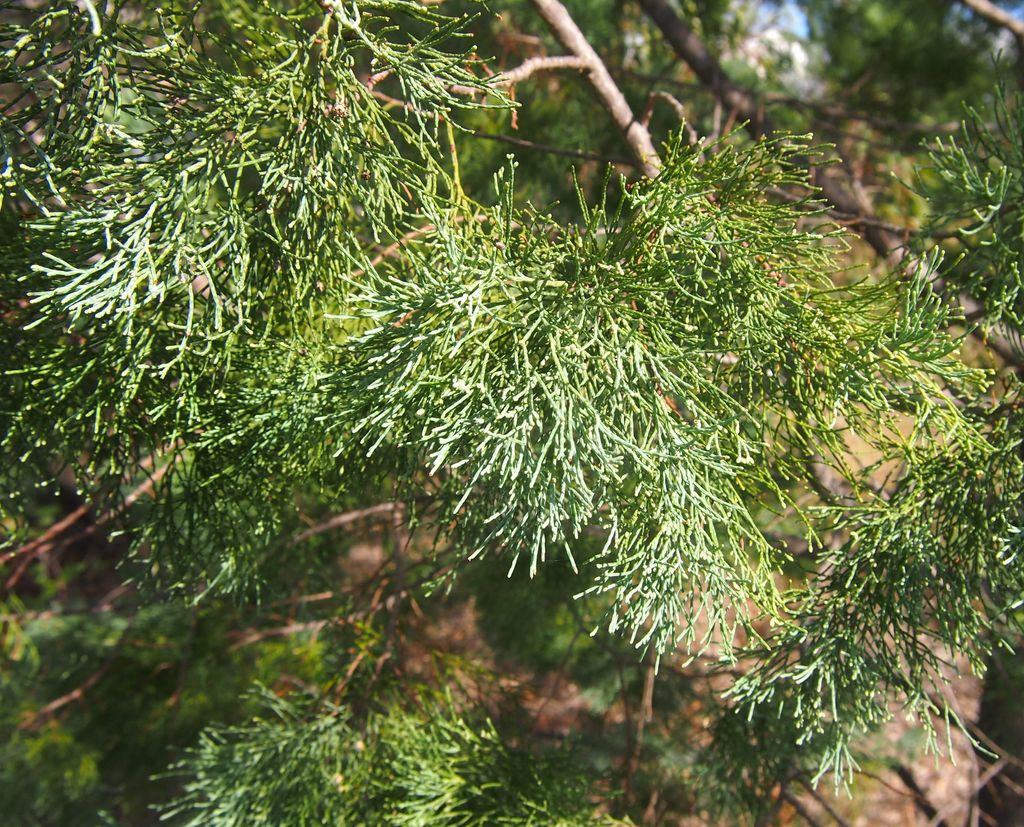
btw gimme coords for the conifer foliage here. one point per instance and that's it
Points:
(400, 768)
(246, 278)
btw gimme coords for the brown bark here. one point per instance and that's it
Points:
(573, 40)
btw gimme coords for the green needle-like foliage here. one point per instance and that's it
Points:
(235, 271)
(399, 768)
(975, 182)
(953, 520)
(643, 374)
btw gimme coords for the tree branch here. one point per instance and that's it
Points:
(742, 104)
(691, 49)
(539, 64)
(528, 67)
(818, 109)
(828, 808)
(889, 245)
(552, 150)
(31, 719)
(801, 810)
(341, 520)
(920, 799)
(54, 537)
(569, 35)
(1000, 17)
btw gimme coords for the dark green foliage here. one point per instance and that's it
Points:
(935, 55)
(150, 685)
(410, 768)
(954, 519)
(50, 778)
(975, 183)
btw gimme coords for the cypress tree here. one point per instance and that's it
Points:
(255, 273)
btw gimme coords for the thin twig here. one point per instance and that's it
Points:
(828, 808)
(644, 714)
(341, 520)
(48, 536)
(528, 68)
(920, 799)
(312, 626)
(768, 816)
(52, 540)
(677, 107)
(979, 785)
(78, 692)
(553, 150)
(801, 810)
(819, 109)
(994, 14)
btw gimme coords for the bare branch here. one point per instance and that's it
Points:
(56, 536)
(657, 94)
(341, 520)
(818, 109)
(801, 810)
(742, 104)
(539, 64)
(528, 68)
(920, 799)
(313, 627)
(994, 14)
(569, 35)
(31, 719)
(691, 49)
(828, 808)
